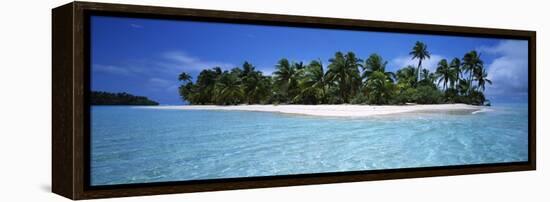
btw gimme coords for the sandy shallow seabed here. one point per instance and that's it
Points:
(343, 110)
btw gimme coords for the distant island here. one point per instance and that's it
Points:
(346, 80)
(107, 98)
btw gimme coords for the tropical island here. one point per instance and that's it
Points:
(346, 80)
(106, 98)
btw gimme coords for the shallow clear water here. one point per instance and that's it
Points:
(138, 145)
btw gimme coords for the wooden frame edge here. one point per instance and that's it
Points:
(63, 162)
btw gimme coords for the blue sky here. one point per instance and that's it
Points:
(145, 56)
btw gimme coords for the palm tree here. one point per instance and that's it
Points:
(355, 81)
(455, 68)
(247, 68)
(314, 82)
(286, 78)
(471, 62)
(228, 89)
(379, 88)
(205, 85)
(255, 87)
(463, 87)
(344, 73)
(444, 73)
(258, 90)
(420, 51)
(188, 93)
(427, 78)
(337, 72)
(184, 77)
(481, 78)
(407, 76)
(299, 65)
(376, 63)
(186, 89)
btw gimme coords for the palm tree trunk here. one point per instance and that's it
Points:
(418, 70)
(324, 94)
(470, 81)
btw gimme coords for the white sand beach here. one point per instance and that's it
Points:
(344, 110)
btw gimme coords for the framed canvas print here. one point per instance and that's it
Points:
(156, 100)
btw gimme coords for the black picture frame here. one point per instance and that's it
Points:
(71, 110)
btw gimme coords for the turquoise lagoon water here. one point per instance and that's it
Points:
(139, 145)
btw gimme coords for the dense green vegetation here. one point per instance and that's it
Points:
(346, 79)
(106, 98)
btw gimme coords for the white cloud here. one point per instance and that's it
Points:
(161, 84)
(517, 48)
(403, 61)
(111, 69)
(136, 26)
(180, 61)
(509, 71)
(172, 88)
(167, 65)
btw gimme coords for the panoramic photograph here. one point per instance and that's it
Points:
(177, 100)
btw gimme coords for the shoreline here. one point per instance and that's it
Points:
(341, 110)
